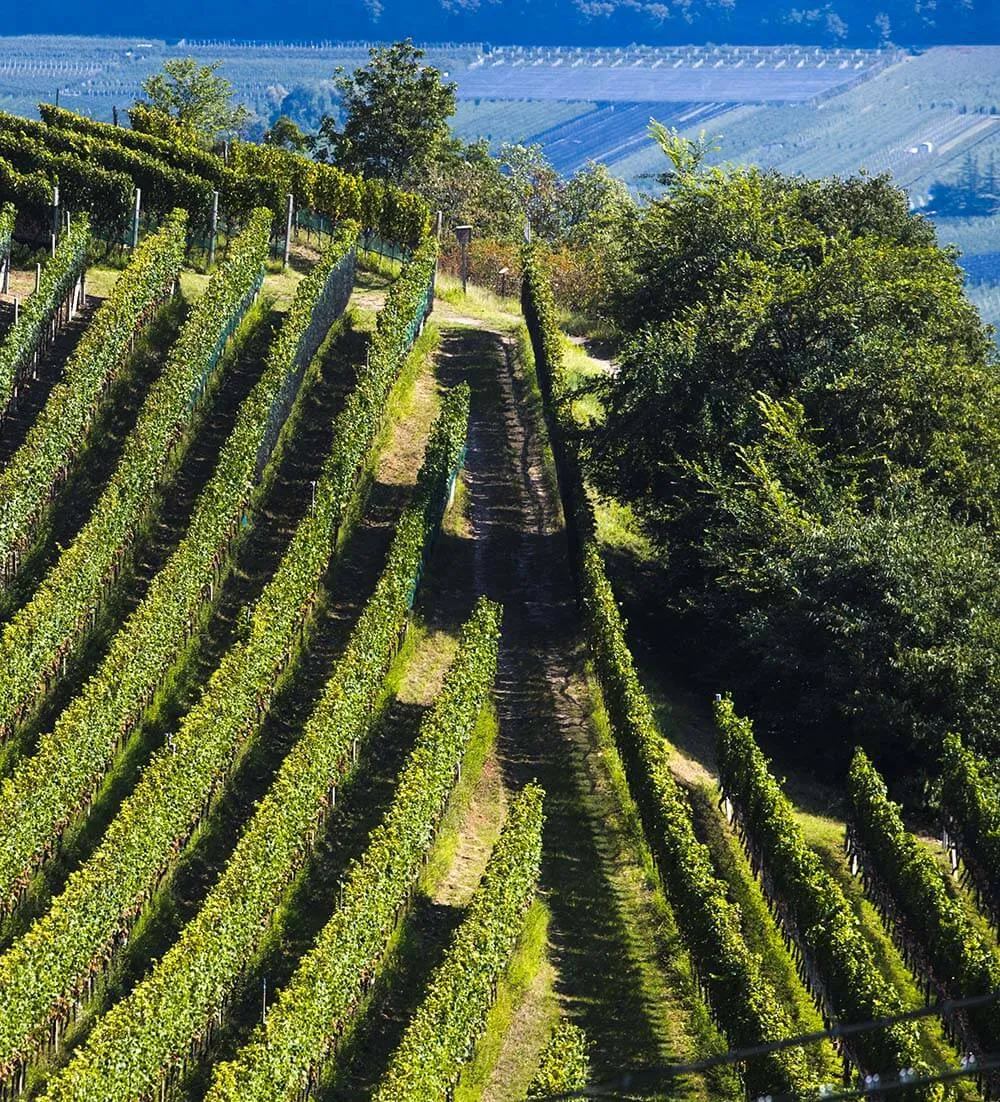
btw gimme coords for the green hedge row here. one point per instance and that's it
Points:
(970, 801)
(42, 633)
(30, 192)
(104, 194)
(144, 1038)
(937, 934)
(441, 1037)
(49, 790)
(34, 321)
(262, 175)
(283, 1058)
(743, 1002)
(188, 158)
(164, 186)
(811, 904)
(35, 471)
(564, 1064)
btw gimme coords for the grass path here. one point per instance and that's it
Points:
(612, 950)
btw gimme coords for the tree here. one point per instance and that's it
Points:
(806, 415)
(535, 184)
(395, 112)
(196, 98)
(286, 135)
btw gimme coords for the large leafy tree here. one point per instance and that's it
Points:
(195, 99)
(395, 113)
(807, 417)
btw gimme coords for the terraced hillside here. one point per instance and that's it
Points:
(327, 768)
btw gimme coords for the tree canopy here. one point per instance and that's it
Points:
(395, 113)
(195, 98)
(807, 417)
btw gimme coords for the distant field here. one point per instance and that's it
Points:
(796, 109)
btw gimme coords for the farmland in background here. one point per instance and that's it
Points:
(796, 109)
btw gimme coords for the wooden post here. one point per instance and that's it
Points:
(55, 210)
(214, 229)
(288, 228)
(135, 217)
(17, 308)
(38, 276)
(6, 273)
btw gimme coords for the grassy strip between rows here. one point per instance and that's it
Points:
(176, 1002)
(910, 889)
(810, 904)
(36, 313)
(42, 633)
(44, 974)
(47, 791)
(744, 1002)
(443, 1032)
(39, 466)
(284, 1057)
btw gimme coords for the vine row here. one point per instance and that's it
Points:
(284, 1057)
(34, 473)
(52, 788)
(938, 939)
(262, 175)
(970, 802)
(834, 956)
(36, 317)
(55, 965)
(443, 1032)
(42, 634)
(170, 1013)
(564, 1065)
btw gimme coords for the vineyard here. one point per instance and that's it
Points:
(331, 768)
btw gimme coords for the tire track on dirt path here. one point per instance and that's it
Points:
(518, 554)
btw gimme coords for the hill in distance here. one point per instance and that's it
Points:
(551, 22)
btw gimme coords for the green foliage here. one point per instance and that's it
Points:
(302, 1027)
(39, 466)
(565, 1063)
(970, 799)
(286, 134)
(396, 113)
(743, 1001)
(36, 314)
(443, 1032)
(39, 636)
(163, 186)
(195, 98)
(173, 150)
(173, 1005)
(805, 417)
(8, 216)
(686, 155)
(30, 192)
(49, 789)
(951, 952)
(257, 175)
(811, 904)
(105, 194)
